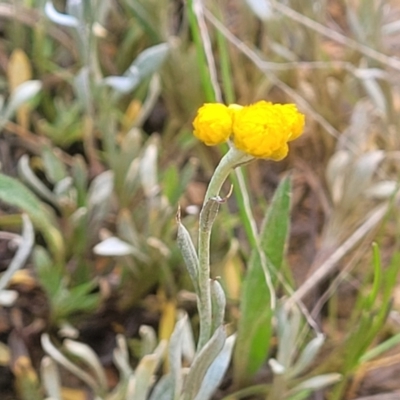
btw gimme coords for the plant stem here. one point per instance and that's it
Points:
(228, 163)
(278, 388)
(232, 159)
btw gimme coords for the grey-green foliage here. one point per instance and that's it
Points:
(64, 299)
(14, 193)
(132, 384)
(21, 95)
(199, 381)
(255, 325)
(292, 362)
(7, 297)
(213, 356)
(84, 20)
(148, 62)
(205, 373)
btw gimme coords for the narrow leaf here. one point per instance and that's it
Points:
(113, 246)
(218, 302)
(255, 324)
(275, 227)
(216, 372)
(28, 176)
(202, 363)
(175, 357)
(189, 254)
(50, 377)
(308, 355)
(164, 389)
(209, 213)
(145, 371)
(16, 194)
(86, 354)
(22, 94)
(22, 254)
(59, 18)
(151, 59)
(317, 382)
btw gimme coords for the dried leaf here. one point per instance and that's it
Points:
(19, 70)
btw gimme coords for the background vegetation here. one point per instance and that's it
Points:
(97, 155)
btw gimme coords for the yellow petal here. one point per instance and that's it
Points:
(263, 129)
(213, 124)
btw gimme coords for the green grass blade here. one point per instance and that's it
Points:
(226, 68)
(15, 194)
(201, 57)
(275, 229)
(255, 330)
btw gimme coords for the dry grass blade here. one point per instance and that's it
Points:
(330, 264)
(338, 37)
(265, 67)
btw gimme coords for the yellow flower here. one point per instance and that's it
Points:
(213, 124)
(263, 129)
(293, 118)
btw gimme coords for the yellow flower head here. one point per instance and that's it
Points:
(293, 118)
(213, 124)
(263, 129)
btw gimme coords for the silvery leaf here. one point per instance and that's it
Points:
(113, 246)
(82, 87)
(164, 389)
(216, 371)
(359, 178)
(335, 173)
(175, 356)
(144, 372)
(186, 246)
(277, 368)
(375, 92)
(89, 357)
(317, 382)
(261, 8)
(59, 18)
(218, 301)
(23, 93)
(123, 84)
(27, 175)
(308, 355)
(50, 377)
(188, 344)
(75, 9)
(148, 169)
(20, 256)
(202, 363)
(101, 188)
(288, 330)
(382, 190)
(60, 358)
(150, 60)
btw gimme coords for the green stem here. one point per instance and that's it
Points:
(228, 163)
(232, 159)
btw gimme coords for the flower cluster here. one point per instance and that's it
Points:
(261, 130)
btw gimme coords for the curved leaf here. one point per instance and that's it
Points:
(255, 324)
(17, 195)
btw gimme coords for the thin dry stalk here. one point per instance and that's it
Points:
(336, 36)
(327, 267)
